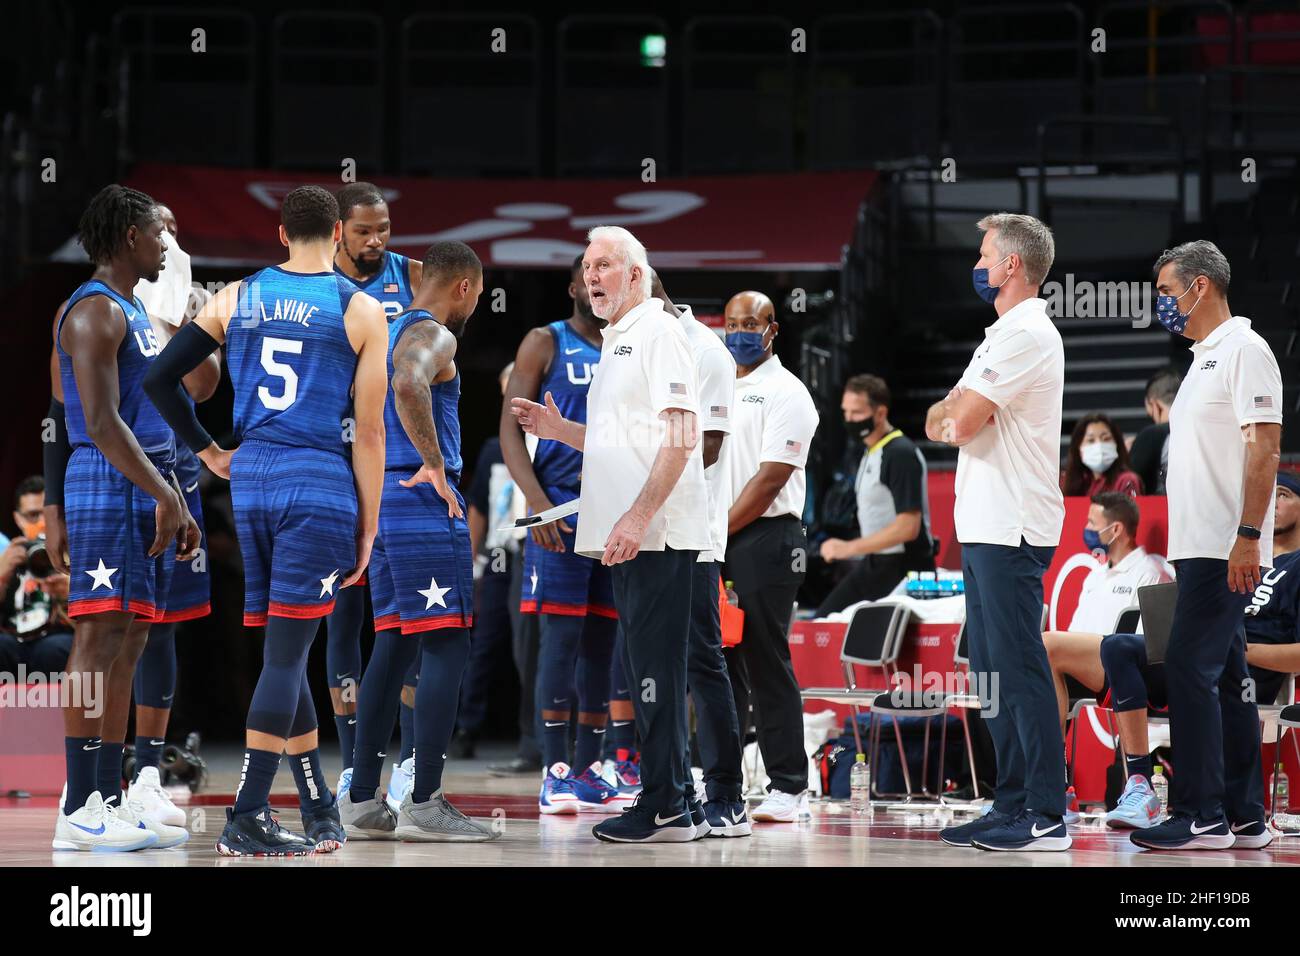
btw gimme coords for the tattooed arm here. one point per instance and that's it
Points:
(422, 356)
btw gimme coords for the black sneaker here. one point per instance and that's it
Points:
(698, 819)
(260, 834)
(963, 834)
(324, 827)
(462, 745)
(1182, 831)
(1251, 836)
(640, 824)
(727, 818)
(517, 765)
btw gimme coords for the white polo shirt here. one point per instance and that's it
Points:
(1234, 381)
(774, 420)
(716, 370)
(1108, 590)
(645, 368)
(1009, 474)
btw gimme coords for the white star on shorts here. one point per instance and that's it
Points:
(327, 584)
(433, 595)
(534, 579)
(103, 576)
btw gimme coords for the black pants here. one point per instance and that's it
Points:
(1213, 719)
(526, 631)
(871, 579)
(492, 635)
(653, 595)
(716, 728)
(765, 560)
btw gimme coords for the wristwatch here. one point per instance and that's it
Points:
(1248, 531)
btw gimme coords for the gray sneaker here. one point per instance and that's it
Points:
(368, 820)
(437, 821)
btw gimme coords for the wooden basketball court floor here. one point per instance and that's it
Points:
(834, 837)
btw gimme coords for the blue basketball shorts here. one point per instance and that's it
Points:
(564, 583)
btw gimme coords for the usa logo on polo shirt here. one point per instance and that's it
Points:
(718, 411)
(676, 388)
(989, 376)
(1263, 401)
(792, 446)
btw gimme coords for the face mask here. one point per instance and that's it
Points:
(1099, 456)
(746, 347)
(1092, 541)
(980, 279)
(1167, 313)
(860, 430)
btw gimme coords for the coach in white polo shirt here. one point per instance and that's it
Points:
(772, 426)
(1225, 429)
(644, 512)
(716, 728)
(1005, 416)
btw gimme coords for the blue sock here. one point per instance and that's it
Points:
(407, 721)
(346, 724)
(377, 709)
(255, 781)
(109, 783)
(313, 791)
(443, 654)
(82, 757)
(147, 753)
(1138, 764)
(591, 677)
(619, 735)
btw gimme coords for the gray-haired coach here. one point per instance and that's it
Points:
(1224, 431)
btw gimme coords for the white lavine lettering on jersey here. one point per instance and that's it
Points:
(582, 378)
(149, 346)
(1264, 591)
(290, 310)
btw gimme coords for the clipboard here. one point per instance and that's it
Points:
(545, 517)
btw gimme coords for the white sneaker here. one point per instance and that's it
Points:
(148, 791)
(400, 783)
(345, 781)
(98, 829)
(135, 812)
(782, 807)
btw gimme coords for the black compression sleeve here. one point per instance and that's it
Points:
(56, 453)
(162, 383)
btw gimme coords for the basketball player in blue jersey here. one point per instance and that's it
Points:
(574, 595)
(422, 570)
(114, 515)
(390, 279)
(303, 347)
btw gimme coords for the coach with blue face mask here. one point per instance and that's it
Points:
(1005, 417)
(1225, 428)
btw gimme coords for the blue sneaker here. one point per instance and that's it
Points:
(1251, 836)
(324, 827)
(260, 834)
(593, 792)
(1138, 807)
(727, 818)
(1182, 831)
(623, 773)
(557, 794)
(640, 824)
(963, 834)
(699, 819)
(1029, 830)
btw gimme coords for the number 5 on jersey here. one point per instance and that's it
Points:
(279, 370)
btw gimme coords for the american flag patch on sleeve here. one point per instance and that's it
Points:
(676, 388)
(989, 375)
(793, 446)
(1263, 401)
(390, 286)
(718, 411)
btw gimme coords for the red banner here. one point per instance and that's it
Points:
(229, 217)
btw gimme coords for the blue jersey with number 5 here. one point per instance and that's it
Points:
(290, 361)
(390, 286)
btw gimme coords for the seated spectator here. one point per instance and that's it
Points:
(892, 503)
(1149, 450)
(1272, 652)
(35, 629)
(1108, 590)
(1098, 460)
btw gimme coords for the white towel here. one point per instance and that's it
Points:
(169, 297)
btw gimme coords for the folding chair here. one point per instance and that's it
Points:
(873, 638)
(1287, 717)
(963, 703)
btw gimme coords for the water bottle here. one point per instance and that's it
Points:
(1282, 787)
(1161, 787)
(732, 598)
(860, 786)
